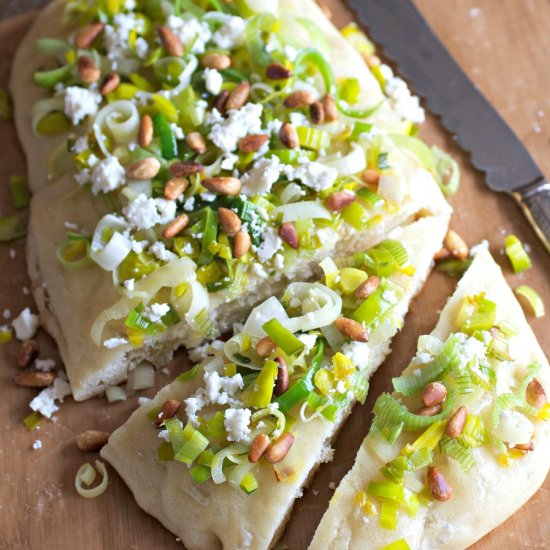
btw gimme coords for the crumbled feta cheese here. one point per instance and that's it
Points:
(71, 226)
(308, 340)
(82, 177)
(142, 48)
(201, 352)
(258, 269)
(112, 343)
(270, 245)
(155, 312)
(236, 423)
(26, 291)
(117, 36)
(193, 405)
(230, 34)
(190, 31)
(299, 119)
(264, 174)
(357, 353)
(107, 175)
(279, 261)
(44, 402)
(129, 284)
(92, 160)
(145, 213)
(163, 434)
(209, 197)
(229, 161)
(37, 444)
(332, 486)
(80, 145)
(25, 325)
(213, 81)
(139, 246)
(227, 132)
(189, 204)
(6, 313)
(80, 103)
(178, 132)
(274, 126)
(291, 52)
(405, 104)
(159, 250)
(44, 365)
(315, 175)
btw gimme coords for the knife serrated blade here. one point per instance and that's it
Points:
(408, 40)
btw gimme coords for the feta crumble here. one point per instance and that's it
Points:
(357, 353)
(80, 103)
(145, 213)
(159, 250)
(37, 444)
(155, 312)
(226, 133)
(190, 32)
(236, 423)
(270, 245)
(112, 343)
(25, 325)
(44, 402)
(213, 81)
(313, 174)
(107, 175)
(230, 34)
(44, 365)
(264, 174)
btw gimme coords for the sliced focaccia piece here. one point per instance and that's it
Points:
(196, 192)
(314, 366)
(464, 441)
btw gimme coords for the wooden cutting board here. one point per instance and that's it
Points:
(503, 45)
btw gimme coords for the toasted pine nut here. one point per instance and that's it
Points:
(352, 329)
(92, 441)
(371, 177)
(317, 112)
(224, 185)
(281, 384)
(434, 393)
(439, 487)
(214, 60)
(456, 245)
(277, 451)
(339, 200)
(88, 71)
(238, 97)
(145, 132)
(175, 187)
(289, 235)
(144, 169)
(276, 71)
(368, 287)
(456, 422)
(86, 36)
(241, 244)
(229, 221)
(526, 447)
(535, 394)
(265, 346)
(289, 136)
(167, 411)
(441, 254)
(331, 111)
(429, 411)
(110, 84)
(251, 143)
(28, 352)
(221, 100)
(196, 142)
(258, 447)
(185, 168)
(176, 226)
(35, 379)
(171, 42)
(299, 98)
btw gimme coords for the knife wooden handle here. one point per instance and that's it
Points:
(534, 199)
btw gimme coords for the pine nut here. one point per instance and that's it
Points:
(281, 384)
(526, 447)
(535, 394)
(196, 142)
(171, 42)
(176, 226)
(229, 221)
(429, 411)
(258, 447)
(241, 244)
(289, 235)
(331, 111)
(299, 98)
(35, 379)
(250, 144)
(339, 200)
(110, 84)
(92, 441)
(434, 393)
(145, 132)
(167, 411)
(277, 451)
(86, 36)
(439, 487)
(289, 136)
(185, 168)
(367, 288)
(175, 187)
(371, 177)
(88, 71)
(456, 423)
(265, 346)
(221, 100)
(456, 245)
(238, 97)
(28, 352)
(144, 169)
(352, 329)
(224, 185)
(276, 71)
(214, 60)
(317, 112)
(441, 254)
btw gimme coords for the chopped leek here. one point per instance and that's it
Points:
(282, 337)
(313, 138)
(48, 79)
(311, 56)
(260, 392)
(516, 254)
(190, 374)
(374, 309)
(165, 452)
(454, 448)
(533, 298)
(19, 193)
(32, 420)
(168, 144)
(388, 514)
(446, 171)
(210, 233)
(188, 443)
(400, 544)
(453, 267)
(6, 336)
(257, 25)
(11, 228)
(74, 253)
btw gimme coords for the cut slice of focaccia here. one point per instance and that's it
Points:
(257, 418)
(445, 480)
(195, 189)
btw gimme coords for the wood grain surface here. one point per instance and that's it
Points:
(504, 47)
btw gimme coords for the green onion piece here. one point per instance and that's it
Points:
(282, 337)
(311, 56)
(257, 25)
(215, 427)
(300, 391)
(11, 228)
(74, 254)
(313, 138)
(447, 360)
(532, 297)
(446, 171)
(5, 105)
(188, 443)
(6, 336)
(168, 144)
(205, 324)
(420, 458)
(478, 313)
(374, 309)
(32, 421)
(260, 392)
(454, 268)
(388, 514)
(136, 321)
(52, 46)
(48, 79)
(359, 385)
(454, 449)
(190, 374)
(200, 473)
(428, 440)
(373, 198)
(396, 249)
(19, 193)
(136, 266)
(345, 109)
(387, 490)
(210, 234)
(400, 544)
(165, 452)
(474, 433)
(516, 254)
(395, 469)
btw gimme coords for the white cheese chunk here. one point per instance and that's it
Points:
(107, 175)
(357, 353)
(213, 81)
(226, 133)
(230, 34)
(145, 213)
(80, 103)
(236, 423)
(264, 174)
(44, 402)
(25, 325)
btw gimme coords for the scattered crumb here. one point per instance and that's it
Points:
(315, 492)
(12, 253)
(165, 371)
(44, 365)
(6, 313)
(332, 486)
(71, 226)
(537, 128)
(26, 291)
(474, 12)
(540, 113)
(37, 445)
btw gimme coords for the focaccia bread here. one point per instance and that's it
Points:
(313, 401)
(486, 469)
(182, 198)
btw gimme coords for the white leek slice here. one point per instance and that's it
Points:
(113, 253)
(144, 377)
(45, 106)
(514, 428)
(83, 476)
(270, 309)
(217, 462)
(305, 210)
(291, 193)
(118, 121)
(393, 188)
(185, 77)
(115, 393)
(352, 163)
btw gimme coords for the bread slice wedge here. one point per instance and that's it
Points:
(216, 515)
(489, 479)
